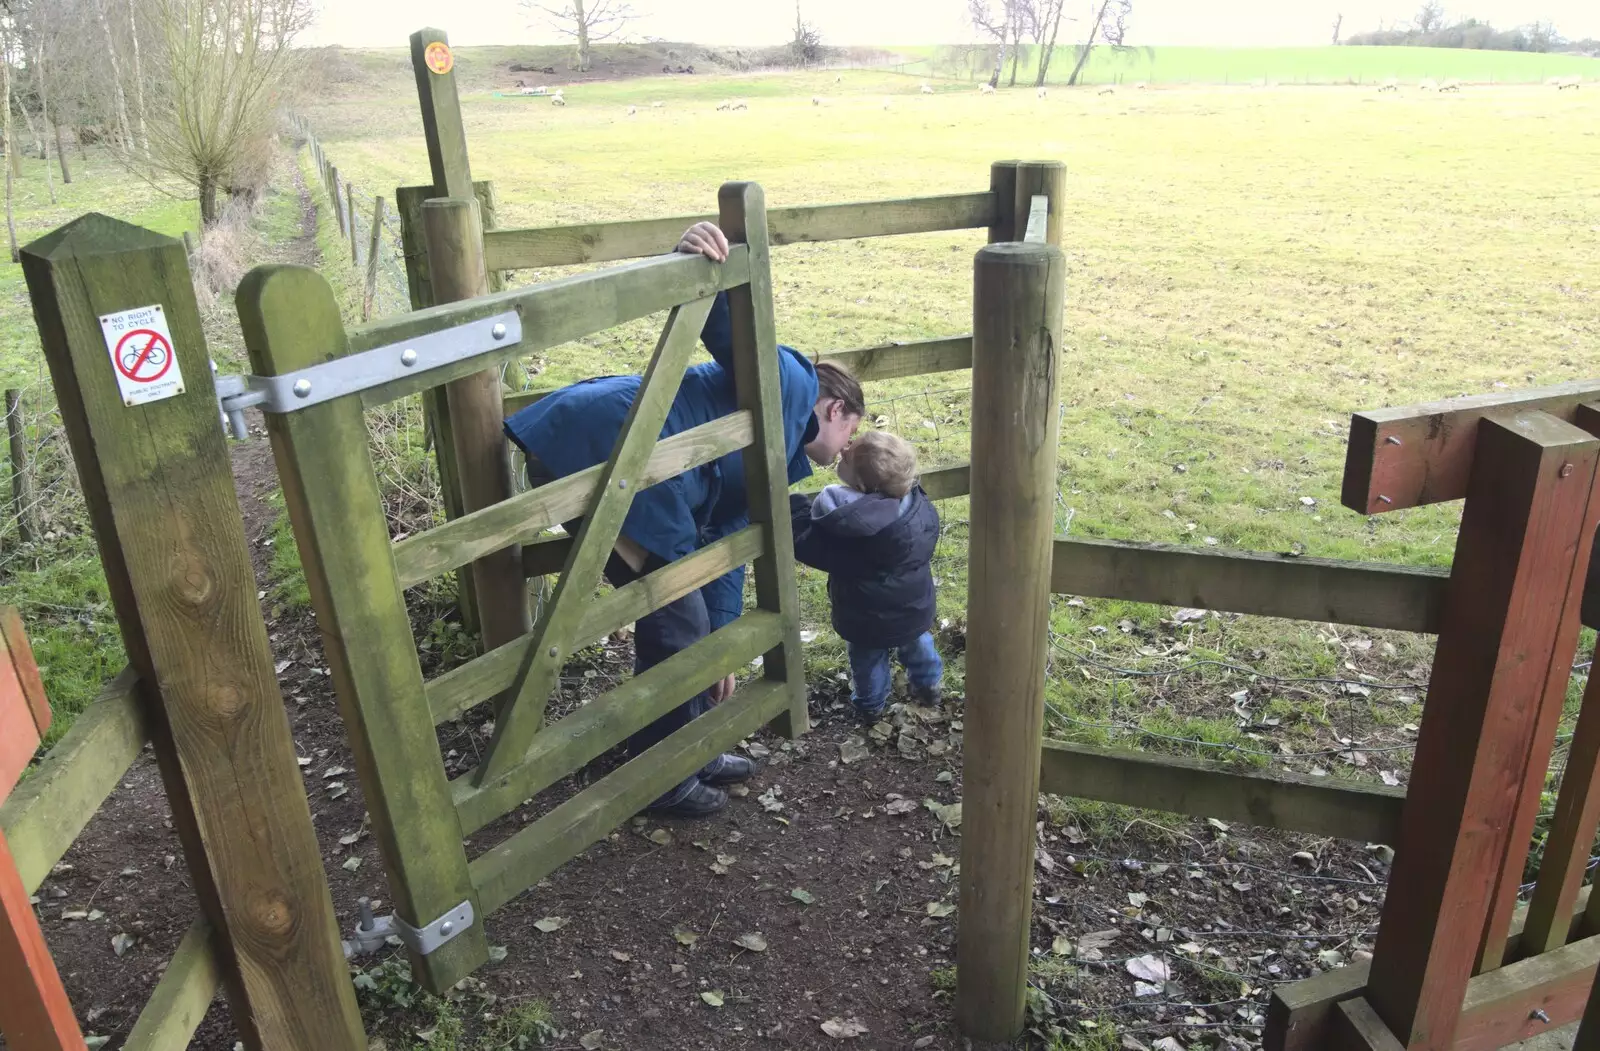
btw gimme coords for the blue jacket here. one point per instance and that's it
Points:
(878, 553)
(577, 427)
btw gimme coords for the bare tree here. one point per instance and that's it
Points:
(224, 70)
(1114, 28)
(116, 76)
(1050, 12)
(11, 142)
(1338, 24)
(1430, 17)
(588, 22)
(996, 18)
(1088, 44)
(806, 46)
(138, 79)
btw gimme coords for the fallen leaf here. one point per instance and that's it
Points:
(1167, 1043)
(1150, 968)
(853, 750)
(757, 750)
(337, 789)
(1089, 945)
(303, 760)
(96, 914)
(349, 840)
(74, 914)
(1389, 777)
(769, 800)
(1218, 825)
(1061, 946)
(1044, 860)
(1328, 959)
(1125, 626)
(550, 924)
(497, 953)
(591, 1041)
(661, 837)
(121, 943)
(685, 936)
(1137, 899)
(900, 806)
(941, 908)
(713, 997)
(1146, 989)
(1241, 887)
(621, 957)
(752, 941)
(1308, 501)
(723, 863)
(844, 1028)
(281, 667)
(351, 863)
(949, 814)
(1183, 616)
(333, 771)
(804, 897)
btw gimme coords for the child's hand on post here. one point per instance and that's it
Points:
(721, 691)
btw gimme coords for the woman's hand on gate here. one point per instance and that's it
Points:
(721, 691)
(705, 239)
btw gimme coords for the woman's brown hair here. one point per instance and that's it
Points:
(835, 381)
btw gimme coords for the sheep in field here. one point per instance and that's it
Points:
(1574, 82)
(1107, 90)
(816, 100)
(1428, 84)
(725, 104)
(558, 98)
(1451, 85)
(740, 104)
(926, 89)
(986, 89)
(657, 105)
(1041, 92)
(632, 110)
(1140, 85)
(1390, 84)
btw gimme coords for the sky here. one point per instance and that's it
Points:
(1242, 23)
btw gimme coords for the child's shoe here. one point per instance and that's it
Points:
(927, 696)
(868, 716)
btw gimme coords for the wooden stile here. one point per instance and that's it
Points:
(1016, 338)
(182, 996)
(442, 128)
(1501, 639)
(160, 493)
(290, 320)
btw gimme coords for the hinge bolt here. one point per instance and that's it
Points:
(447, 928)
(554, 651)
(622, 483)
(1392, 440)
(1385, 499)
(408, 357)
(1539, 1015)
(499, 331)
(302, 388)
(1566, 470)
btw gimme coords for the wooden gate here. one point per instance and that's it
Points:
(357, 576)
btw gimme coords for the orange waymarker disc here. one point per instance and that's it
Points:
(439, 58)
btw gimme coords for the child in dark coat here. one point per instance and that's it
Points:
(874, 536)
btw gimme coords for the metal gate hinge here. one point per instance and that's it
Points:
(355, 373)
(373, 932)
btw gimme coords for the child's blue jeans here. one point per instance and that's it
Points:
(870, 677)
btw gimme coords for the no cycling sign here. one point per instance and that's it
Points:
(142, 355)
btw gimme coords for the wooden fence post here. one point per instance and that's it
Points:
(1014, 183)
(1016, 345)
(350, 211)
(373, 244)
(161, 497)
(334, 199)
(22, 505)
(1509, 629)
(454, 236)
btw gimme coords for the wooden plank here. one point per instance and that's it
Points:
(478, 680)
(1017, 305)
(160, 490)
(182, 996)
(526, 515)
(543, 558)
(19, 736)
(898, 360)
(1503, 634)
(483, 466)
(1373, 595)
(1357, 1027)
(504, 871)
(556, 635)
(634, 238)
(46, 812)
(442, 129)
(564, 746)
(943, 483)
(290, 319)
(1588, 1036)
(1500, 1005)
(35, 1014)
(1299, 1013)
(1422, 454)
(15, 639)
(742, 214)
(552, 313)
(1181, 785)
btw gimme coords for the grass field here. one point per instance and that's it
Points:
(1248, 267)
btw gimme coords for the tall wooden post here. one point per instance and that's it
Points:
(1014, 184)
(1016, 346)
(455, 263)
(441, 115)
(1509, 629)
(350, 212)
(22, 504)
(374, 242)
(160, 495)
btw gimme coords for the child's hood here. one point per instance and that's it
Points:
(843, 511)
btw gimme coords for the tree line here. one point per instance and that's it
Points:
(1018, 24)
(184, 90)
(1431, 27)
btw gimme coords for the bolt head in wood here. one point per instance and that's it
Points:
(1566, 470)
(408, 357)
(302, 388)
(554, 651)
(498, 332)
(447, 928)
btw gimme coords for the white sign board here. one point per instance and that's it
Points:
(142, 355)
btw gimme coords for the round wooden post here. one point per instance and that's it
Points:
(1014, 184)
(1016, 340)
(454, 236)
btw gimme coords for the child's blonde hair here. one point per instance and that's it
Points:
(883, 463)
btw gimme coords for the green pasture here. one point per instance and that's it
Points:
(1248, 267)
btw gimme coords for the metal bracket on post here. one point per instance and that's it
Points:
(355, 373)
(373, 932)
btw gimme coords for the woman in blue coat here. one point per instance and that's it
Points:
(577, 427)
